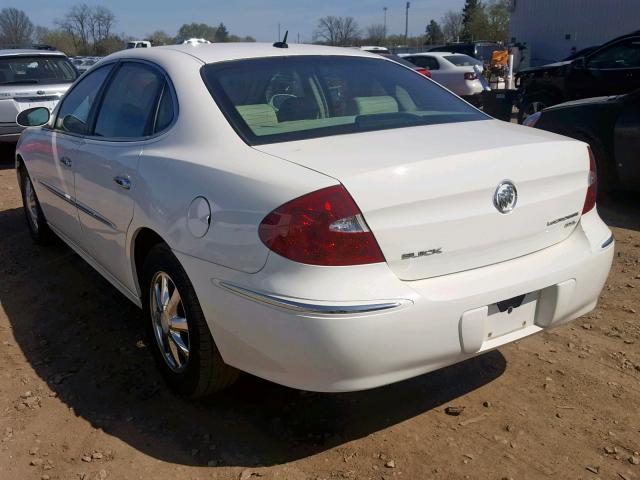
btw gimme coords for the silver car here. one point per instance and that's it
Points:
(30, 78)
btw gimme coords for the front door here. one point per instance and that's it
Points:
(54, 163)
(106, 170)
(613, 70)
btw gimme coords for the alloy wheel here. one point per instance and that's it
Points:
(169, 321)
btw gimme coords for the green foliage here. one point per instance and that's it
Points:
(434, 33)
(196, 30)
(488, 21)
(222, 34)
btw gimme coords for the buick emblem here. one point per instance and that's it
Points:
(506, 197)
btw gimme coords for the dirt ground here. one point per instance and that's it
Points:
(80, 397)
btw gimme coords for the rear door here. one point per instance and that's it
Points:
(54, 164)
(106, 167)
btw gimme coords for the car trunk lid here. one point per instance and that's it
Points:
(427, 193)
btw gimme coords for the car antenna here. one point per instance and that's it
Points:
(283, 43)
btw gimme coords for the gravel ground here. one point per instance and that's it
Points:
(80, 397)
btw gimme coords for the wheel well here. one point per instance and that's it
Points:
(145, 240)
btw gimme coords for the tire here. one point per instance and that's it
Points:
(37, 223)
(531, 105)
(197, 371)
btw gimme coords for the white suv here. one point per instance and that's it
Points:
(324, 218)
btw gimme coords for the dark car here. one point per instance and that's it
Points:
(611, 69)
(480, 50)
(611, 126)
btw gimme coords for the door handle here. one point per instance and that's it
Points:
(123, 182)
(66, 161)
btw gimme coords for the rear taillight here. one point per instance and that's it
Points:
(592, 188)
(424, 72)
(471, 76)
(324, 227)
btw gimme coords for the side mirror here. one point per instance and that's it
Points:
(33, 117)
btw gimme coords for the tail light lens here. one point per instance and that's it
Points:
(470, 76)
(592, 188)
(324, 227)
(424, 72)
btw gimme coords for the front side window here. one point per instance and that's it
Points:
(625, 54)
(327, 95)
(73, 115)
(35, 70)
(128, 108)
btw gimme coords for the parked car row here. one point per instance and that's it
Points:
(341, 221)
(83, 64)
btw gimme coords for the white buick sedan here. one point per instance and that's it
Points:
(323, 218)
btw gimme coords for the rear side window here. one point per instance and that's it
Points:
(73, 115)
(318, 96)
(463, 60)
(166, 111)
(430, 63)
(128, 108)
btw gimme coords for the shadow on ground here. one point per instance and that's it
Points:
(82, 337)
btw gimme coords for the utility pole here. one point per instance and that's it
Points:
(298, 37)
(406, 24)
(278, 31)
(385, 21)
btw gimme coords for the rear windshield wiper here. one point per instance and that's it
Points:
(18, 82)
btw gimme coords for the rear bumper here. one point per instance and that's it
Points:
(434, 323)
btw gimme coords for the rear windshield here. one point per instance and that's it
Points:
(269, 100)
(36, 70)
(462, 60)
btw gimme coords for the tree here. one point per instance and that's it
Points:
(59, 39)
(90, 28)
(434, 33)
(340, 31)
(222, 34)
(15, 27)
(469, 15)
(196, 30)
(498, 16)
(376, 34)
(160, 37)
(452, 23)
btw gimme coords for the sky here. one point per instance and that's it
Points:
(245, 17)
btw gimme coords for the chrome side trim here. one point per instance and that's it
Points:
(79, 205)
(607, 242)
(311, 308)
(92, 213)
(59, 193)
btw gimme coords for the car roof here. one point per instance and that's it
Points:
(221, 52)
(16, 52)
